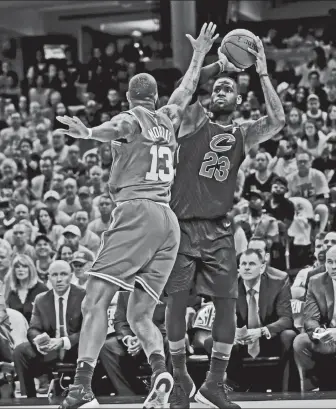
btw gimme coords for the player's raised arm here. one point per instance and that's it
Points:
(269, 125)
(120, 126)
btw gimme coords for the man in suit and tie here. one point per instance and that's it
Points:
(54, 328)
(122, 352)
(264, 308)
(319, 322)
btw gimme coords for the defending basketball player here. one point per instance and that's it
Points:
(138, 251)
(208, 159)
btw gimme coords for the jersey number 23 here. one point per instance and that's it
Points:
(215, 166)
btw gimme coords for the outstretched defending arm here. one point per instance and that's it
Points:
(120, 126)
(182, 95)
(269, 125)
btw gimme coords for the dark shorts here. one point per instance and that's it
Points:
(206, 258)
(140, 247)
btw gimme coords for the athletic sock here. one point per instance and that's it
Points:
(179, 361)
(218, 365)
(84, 374)
(157, 363)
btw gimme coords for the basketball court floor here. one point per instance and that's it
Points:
(312, 400)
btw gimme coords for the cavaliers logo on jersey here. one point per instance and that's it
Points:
(222, 142)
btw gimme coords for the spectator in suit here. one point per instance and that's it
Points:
(264, 307)
(260, 245)
(23, 285)
(319, 318)
(56, 313)
(41, 184)
(123, 350)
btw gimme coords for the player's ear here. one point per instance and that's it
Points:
(127, 96)
(267, 258)
(156, 97)
(239, 99)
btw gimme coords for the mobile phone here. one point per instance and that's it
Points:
(42, 339)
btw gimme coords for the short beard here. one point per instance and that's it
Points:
(226, 110)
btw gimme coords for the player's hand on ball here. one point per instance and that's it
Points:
(261, 63)
(228, 66)
(206, 38)
(76, 127)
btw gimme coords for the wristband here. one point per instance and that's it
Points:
(90, 133)
(221, 66)
(263, 75)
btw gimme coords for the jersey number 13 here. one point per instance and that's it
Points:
(161, 155)
(214, 166)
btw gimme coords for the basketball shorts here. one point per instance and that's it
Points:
(140, 247)
(206, 259)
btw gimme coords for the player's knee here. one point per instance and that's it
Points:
(178, 301)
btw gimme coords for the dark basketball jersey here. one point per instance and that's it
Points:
(207, 163)
(144, 167)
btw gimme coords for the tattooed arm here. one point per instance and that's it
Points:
(269, 125)
(181, 97)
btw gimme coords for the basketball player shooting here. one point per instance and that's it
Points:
(208, 159)
(139, 250)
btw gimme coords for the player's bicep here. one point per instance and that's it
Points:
(259, 131)
(174, 113)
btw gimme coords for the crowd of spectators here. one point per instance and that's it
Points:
(54, 206)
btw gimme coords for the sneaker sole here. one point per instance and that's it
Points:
(160, 393)
(199, 398)
(89, 405)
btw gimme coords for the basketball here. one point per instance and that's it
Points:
(235, 45)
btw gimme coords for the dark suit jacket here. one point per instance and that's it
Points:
(44, 315)
(121, 325)
(314, 272)
(319, 306)
(275, 309)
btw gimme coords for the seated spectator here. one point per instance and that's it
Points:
(260, 245)
(312, 141)
(73, 167)
(86, 202)
(310, 184)
(63, 303)
(59, 151)
(72, 236)
(284, 163)
(97, 186)
(8, 171)
(7, 219)
(255, 222)
(44, 253)
(327, 162)
(36, 116)
(43, 141)
(47, 225)
(70, 204)
(23, 285)
(314, 112)
(20, 241)
(300, 284)
(319, 317)
(5, 259)
(294, 128)
(261, 179)
(39, 92)
(80, 263)
(65, 253)
(52, 202)
(300, 232)
(21, 212)
(41, 184)
(123, 350)
(10, 137)
(23, 194)
(90, 159)
(57, 183)
(88, 239)
(270, 330)
(102, 223)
